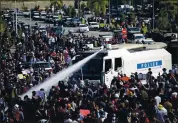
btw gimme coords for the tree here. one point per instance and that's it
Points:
(71, 11)
(132, 17)
(83, 5)
(57, 3)
(168, 12)
(98, 6)
(163, 22)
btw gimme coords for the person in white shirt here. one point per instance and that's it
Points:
(158, 100)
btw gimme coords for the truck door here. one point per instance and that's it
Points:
(108, 72)
(118, 64)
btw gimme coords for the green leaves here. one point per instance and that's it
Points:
(163, 21)
(71, 11)
(98, 6)
(57, 3)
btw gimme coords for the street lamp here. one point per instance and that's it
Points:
(15, 18)
(30, 22)
(153, 15)
(109, 12)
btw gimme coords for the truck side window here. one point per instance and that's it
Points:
(118, 63)
(108, 65)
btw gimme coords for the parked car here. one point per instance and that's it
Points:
(75, 22)
(83, 28)
(36, 15)
(133, 30)
(107, 38)
(46, 20)
(93, 26)
(55, 19)
(43, 15)
(136, 38)
(26, 13)
(67, 21)
(42, 28)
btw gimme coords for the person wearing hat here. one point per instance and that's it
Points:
(161, 112)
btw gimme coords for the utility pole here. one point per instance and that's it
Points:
(13, 20)
(0, 7)
(16, 18)
(153, 14)
(30, 22)
(177, 35)
(79, 8)
(109, 12)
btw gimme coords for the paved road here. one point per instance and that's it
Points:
(91, 33)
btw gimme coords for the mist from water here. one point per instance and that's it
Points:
(47, 84)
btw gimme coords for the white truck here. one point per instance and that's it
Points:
(108, 63)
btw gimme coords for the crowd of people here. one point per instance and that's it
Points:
(76, 101)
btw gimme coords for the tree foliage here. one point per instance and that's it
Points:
(98, 6)
(163, 22)
(57, 3)
(167, 15)
(83, 5)
(71, 11)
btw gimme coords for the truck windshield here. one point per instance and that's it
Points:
(93, 66)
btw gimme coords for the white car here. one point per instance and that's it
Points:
(55, 18)
(42, 28)
(83, 28)
(136, 38)
(93, 25)
(36, 15)
(43, 15)
(26, 13)
(148, 41)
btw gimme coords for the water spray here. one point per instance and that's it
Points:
(46, 85)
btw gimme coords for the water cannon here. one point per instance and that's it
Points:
(102, 47)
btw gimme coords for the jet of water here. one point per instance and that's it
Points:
(46, 85)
